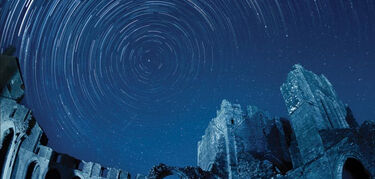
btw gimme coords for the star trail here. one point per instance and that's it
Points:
(133, 83)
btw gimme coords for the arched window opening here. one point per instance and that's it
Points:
(53, 174)
(33, 171)
(5, 147)
(30, 170)
(353, 169)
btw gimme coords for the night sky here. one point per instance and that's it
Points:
(134, 83)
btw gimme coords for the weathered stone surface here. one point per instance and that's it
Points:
(304, 89)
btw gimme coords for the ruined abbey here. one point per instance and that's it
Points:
(319, 139)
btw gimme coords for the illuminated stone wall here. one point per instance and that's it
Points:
(24, 152)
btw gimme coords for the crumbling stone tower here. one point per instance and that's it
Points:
(326, 134)
(313, 106)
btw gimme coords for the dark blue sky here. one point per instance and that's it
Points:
(130, 84)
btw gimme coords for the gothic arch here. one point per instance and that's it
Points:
(351, 166)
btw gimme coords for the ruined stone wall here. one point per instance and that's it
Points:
(312, 105)
(238, 143)
(321, 138)
(325, 132)
(24, 153)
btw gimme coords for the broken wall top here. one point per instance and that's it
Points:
(11, 82)
(303, 87)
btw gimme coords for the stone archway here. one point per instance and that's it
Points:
(5, 148)
(353, 169)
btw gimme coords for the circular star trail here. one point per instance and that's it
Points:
(118, 73)
(112, 56)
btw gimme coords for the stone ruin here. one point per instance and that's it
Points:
(24, 152)
(320, 139)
